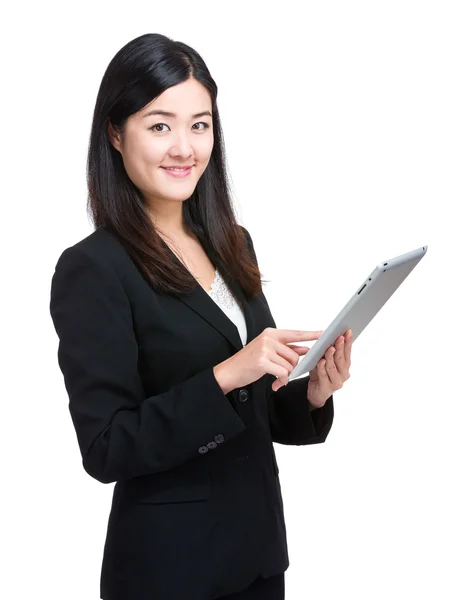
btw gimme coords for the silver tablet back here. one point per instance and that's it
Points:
(366, 302)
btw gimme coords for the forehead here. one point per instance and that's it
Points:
(187, 100)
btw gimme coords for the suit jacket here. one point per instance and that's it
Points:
(197, 510)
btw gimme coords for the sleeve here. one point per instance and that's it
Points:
(293, 421)
(120, 432)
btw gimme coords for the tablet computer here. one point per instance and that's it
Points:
(366, 302)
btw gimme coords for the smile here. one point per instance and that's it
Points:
(177, 172)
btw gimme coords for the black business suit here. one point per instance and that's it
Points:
(197, 509)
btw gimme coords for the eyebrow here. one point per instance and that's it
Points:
(165, 113)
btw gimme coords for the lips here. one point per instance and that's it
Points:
(178, 168)
(177, 172)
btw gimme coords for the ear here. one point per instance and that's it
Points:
(113, 136)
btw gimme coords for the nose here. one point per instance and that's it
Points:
(182, 146)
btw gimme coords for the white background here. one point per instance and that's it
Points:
(344, 131)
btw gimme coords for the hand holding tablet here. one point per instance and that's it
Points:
(366, 302)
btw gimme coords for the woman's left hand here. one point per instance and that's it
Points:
(331, 371)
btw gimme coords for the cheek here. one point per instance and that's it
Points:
(203, 150)
(141, 160)
(151, 155)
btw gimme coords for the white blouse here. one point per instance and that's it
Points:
(220, 293)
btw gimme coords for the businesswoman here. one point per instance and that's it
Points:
(176, 373)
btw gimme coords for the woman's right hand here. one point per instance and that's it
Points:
(270, 352)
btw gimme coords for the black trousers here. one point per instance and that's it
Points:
(270, 588)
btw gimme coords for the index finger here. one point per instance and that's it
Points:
(294, 335)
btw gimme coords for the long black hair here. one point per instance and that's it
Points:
(140, 71)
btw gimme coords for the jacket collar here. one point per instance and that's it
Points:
(200, 301)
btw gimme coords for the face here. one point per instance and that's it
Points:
(154, 141)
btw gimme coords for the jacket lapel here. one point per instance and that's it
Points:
(199, 301)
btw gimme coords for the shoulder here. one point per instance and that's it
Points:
(100, 247)
(100, 242)
(97, 262)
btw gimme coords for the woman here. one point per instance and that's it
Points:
(170, 355)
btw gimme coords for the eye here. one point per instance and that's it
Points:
(203, 123)
(199, 123)
(157, 125)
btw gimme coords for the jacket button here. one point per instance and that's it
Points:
(219, 438)
(203, 449)
(211, 445)
(243, 395)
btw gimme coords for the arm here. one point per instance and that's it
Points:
(293, 420)
(121, 433)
